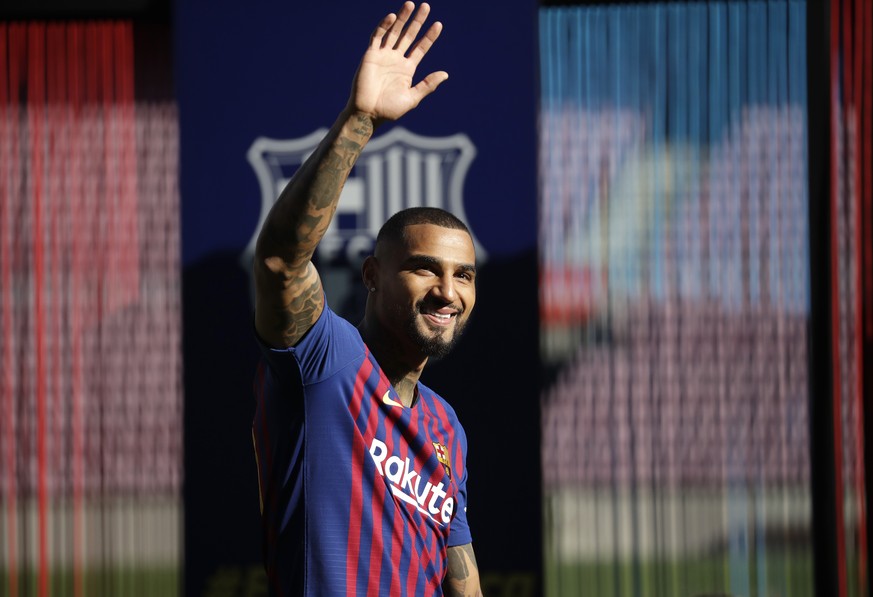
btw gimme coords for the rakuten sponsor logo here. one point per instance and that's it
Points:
(406, 484)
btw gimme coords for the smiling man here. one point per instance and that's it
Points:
(424, 263)
(362, 468)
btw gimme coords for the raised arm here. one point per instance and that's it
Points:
(288, 290)
(462, 575)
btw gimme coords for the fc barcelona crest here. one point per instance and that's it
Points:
(442, 454)
(396, 170)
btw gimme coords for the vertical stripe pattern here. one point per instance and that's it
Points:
(363, 506)
(90, 398)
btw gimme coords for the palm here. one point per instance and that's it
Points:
(383, 85)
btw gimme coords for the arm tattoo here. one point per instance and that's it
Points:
(364, 126)
(332, 173)
(462, 574)
(290, 292)
(458, 564)
(300, 313)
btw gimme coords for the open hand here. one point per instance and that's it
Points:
(383, 84)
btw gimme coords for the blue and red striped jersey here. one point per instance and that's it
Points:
(360, 496)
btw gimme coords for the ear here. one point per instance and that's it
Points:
(370, 272)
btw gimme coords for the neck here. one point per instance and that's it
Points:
(401, 366)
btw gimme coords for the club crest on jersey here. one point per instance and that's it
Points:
(396, 170)
(442, 454)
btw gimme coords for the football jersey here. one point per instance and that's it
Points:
(360, 495)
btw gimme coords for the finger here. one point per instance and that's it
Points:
(425, 42)
(412, 29)
(393, 34)
(429, 84)
(381, 29)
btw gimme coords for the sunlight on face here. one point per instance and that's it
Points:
(432, 289)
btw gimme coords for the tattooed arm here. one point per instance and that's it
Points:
(462, 576)
(289, 295)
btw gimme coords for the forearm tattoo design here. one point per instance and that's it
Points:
(463, 573)
(300, 288)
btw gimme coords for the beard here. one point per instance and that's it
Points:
(433, 343)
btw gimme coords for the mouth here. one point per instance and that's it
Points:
(442, 317)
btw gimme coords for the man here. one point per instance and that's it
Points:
(361, 467)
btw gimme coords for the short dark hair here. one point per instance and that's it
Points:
(395, 228)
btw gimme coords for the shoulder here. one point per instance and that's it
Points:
(330, 344)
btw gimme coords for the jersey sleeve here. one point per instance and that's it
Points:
(331, 343)
(459, 531)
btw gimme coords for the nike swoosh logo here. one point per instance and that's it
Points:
(387, 400)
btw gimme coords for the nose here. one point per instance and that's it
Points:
(445, 288)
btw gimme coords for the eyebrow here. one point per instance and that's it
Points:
(431, 260)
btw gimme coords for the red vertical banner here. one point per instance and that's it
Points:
(77, 380)
(865, 211)
(851, 253)
(36, 123)
(866, 161)
(859, 109)
(74, 105)
(8, 114)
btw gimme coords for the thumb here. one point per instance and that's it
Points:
(429, 84)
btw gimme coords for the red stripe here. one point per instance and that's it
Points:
(448, 442)
(865, 162)
(415, 557)
(398, 537)
(431, 421)
(836, 141)
(438, 421)
(132, 229)
(377, 547)
(35, 101)
(435, 581)
(421, 458)
(91, 160)
(8, 162)
(91, 57)
(863, 49)
(357, 499)
(442, 416)
(425, 561)
(414, 569)
(377, 499)
(77, 212)
(848, 56)
(109, 161)
(56, 198)
(438, 548)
